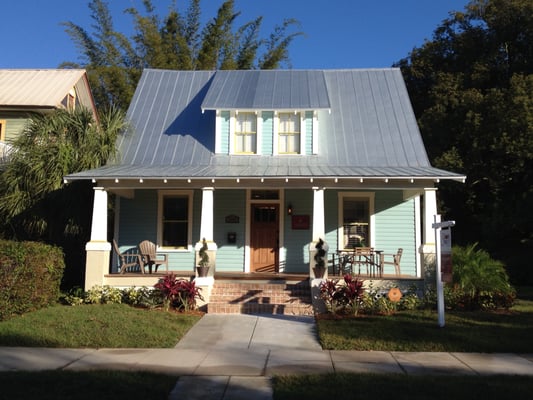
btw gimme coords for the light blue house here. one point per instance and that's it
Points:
(262, 164)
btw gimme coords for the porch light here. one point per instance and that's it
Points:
(165, 181)
(116, 180)
(336, 180)
(386, 180)
(141, 180)
(93, 180)
(238, 180)
(188, 181)
(361, 180)
(289, 209)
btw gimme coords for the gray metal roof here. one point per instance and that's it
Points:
(267, 90)
(369, 128)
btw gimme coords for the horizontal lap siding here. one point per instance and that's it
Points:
(296, 241)
(395, 228)
(224, 132)
(138, 222)
(309, 132)
(267, 132)
(230, 257)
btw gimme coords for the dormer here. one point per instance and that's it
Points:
(267, 112)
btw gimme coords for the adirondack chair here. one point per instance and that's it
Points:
(149, 256)
(395, 260)
(128, 261)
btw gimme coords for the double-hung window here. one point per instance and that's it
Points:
(355, 217)
(175, 219)
(245, 133)
(289, 132)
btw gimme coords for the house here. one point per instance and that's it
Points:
(263, 164)
(24, 92)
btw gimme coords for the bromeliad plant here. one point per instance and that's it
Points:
(179, 293)
(342, 297)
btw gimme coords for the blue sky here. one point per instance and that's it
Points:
(338, 33)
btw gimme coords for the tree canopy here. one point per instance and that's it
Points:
(176, 41)
(472, 91)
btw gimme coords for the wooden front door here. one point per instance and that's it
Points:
(264, 238)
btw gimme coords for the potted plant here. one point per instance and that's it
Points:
(320, 259)
(203, 263)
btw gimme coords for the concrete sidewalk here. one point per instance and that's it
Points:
(234, 356)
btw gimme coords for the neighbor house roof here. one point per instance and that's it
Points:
(42, 88)
(367, 127)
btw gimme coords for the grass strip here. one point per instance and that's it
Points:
(96, 326)
(401, 387)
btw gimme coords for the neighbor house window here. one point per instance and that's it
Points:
(175, 219)
(2, 130)
(355, 221)
(289, 133)
(245, 133)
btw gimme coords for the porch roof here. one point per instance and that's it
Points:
(257, 167)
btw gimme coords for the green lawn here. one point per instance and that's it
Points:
(401, 387)
(492, 332)
(96, 326)
(90, 385)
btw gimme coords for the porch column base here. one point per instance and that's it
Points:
(97, 263)
(427, 255)
(319, 307)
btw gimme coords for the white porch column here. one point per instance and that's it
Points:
(319, 225)
(206, 232)
(98, 249)
(430, 210)
(319, 231)
(206, 223)
(427, 250)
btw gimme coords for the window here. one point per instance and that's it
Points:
(175, 219)
(2, 130)
(355, 214)
(246, 133)
(289, 133)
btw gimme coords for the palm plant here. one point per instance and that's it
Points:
(34, 202)
(480, 280)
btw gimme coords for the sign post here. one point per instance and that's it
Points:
(439, 242)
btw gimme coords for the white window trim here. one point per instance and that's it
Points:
(160, 195)
(314, 134)
(258, 131)
(218, 132)
(367, 195)
(275, 141)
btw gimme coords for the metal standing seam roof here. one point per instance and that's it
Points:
(37, 87)
(366, 123)
(267, 90)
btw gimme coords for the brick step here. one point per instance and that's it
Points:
(256, 308)
(245, 297)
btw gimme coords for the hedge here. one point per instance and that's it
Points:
(30, 276)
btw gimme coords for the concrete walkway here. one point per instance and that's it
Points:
(234, 356)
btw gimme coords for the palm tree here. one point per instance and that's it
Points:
(34, 202)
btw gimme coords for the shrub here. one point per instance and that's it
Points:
(479, 281)
(342, 297)
(179, 293)
(30, 276)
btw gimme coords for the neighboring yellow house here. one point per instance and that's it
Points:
(27, 91)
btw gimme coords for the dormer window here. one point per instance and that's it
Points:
(245, 136)
(289, 133)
